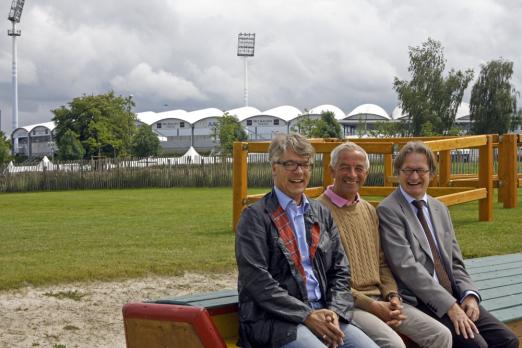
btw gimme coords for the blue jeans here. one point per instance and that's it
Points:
(353, 338)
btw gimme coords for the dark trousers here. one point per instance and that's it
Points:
(493, 333)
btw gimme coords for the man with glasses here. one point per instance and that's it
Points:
(379, 311)
(419, 244)
(294, 279)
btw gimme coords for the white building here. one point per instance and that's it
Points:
(178, 130)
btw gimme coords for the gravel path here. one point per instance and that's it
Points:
(88, 314)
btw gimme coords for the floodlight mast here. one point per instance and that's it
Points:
(245, 48)
(14, 16)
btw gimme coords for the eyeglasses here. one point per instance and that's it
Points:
(292, 165)
(420, 172)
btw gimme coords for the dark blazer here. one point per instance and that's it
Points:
(409, 256)
(272, 294)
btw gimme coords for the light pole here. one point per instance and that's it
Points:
(245, 48)
(51, 145)
(14, 16)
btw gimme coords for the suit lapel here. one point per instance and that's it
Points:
(413, 222)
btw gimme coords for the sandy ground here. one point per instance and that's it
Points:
(49, 317)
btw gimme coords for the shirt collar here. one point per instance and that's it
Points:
(411, 199)
(338, 200)
(286, 201)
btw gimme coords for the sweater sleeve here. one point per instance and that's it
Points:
(388, 284)
(361, 300)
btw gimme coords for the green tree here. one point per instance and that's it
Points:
(493, 104)
(228, 130)
(305, 125)
(69, 146)
(325, 127)
(429, 96)
(145, 142)
(427, 129)
(5, 149)
(387, 129)
(104, 123)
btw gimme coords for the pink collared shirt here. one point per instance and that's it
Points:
(338, 200)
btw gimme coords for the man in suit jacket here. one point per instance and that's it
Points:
(419, 244)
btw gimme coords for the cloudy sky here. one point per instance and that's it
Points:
(181, 54)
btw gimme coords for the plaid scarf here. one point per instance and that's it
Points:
(286, 233)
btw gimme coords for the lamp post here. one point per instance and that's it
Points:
(245, 48)
(51, 145)
(14, 16)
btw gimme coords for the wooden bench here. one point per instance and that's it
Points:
(499, 280)
(211, 319)
(192, 321)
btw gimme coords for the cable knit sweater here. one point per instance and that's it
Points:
(358, 226)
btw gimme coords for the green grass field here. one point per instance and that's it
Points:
(56, 237)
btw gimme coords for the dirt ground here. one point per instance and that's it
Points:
(88, 314)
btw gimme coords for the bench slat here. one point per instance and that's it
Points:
(498, 267)
(492, 260)
(495, 283)
(504, 302)
(210, 303)
(513, 272)
(507, 315)
(206, 295)
(501, 291)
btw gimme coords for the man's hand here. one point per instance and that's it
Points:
(389, 312)
(463, 325)
(471, 307)
(325, 324)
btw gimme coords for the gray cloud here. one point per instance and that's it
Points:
(183, 53)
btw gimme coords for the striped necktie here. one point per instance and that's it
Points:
(442, 275)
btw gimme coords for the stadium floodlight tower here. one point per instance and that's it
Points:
(245, 48)
(14, 16)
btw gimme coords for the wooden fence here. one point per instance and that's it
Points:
(507, 162)
(443, 187)
(117, 174)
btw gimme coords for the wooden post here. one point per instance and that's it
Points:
(444, 168)
(510, 171)
(239, 185)
(485, 178)
(388, 169)
(501, 168)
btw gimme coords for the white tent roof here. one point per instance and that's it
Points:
(151, 117)
(197, 115)
(397, 113)
(192, 153)
(49, 125)
(244, 112)
(369, 109)
(339, 114)
(462, 111)
(284, 112)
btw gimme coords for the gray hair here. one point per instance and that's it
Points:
(415, 147)
(348, 146)
(295, 142)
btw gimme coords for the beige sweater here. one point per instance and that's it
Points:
(359, 230)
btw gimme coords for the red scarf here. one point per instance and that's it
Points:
(286, 233)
